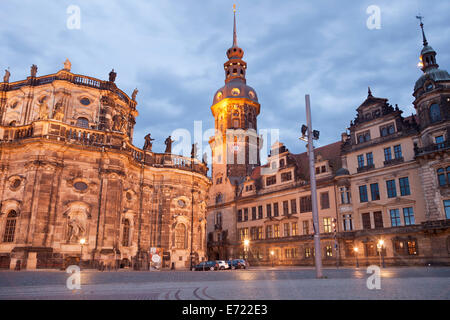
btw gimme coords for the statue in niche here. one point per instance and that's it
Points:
(168, 144)
(134, 94)
(75, 230)
(58, 112)
(34, 69)
(6, 76)
(148, 143)
(118, 122)
(43, 109)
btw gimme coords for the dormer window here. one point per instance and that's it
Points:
(271, 180)
(364, 137)
(281, 163)
(387, 130)
(286, 176)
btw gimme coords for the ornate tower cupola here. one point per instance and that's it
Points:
(427, 55)
(235, 67)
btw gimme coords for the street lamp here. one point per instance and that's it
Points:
(309, 135)
(246, 244)
(380, 246)
(356, 256)
(271, 256)
(82, 243)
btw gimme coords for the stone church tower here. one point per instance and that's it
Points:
(235, 145)
(235, 107)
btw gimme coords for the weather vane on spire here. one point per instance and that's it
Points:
(425, 42)
(234, 7)
(234, 27)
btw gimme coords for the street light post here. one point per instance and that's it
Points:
(82, 242)
(271, 256)
(310, 136)
(355, 249)
(380, 246)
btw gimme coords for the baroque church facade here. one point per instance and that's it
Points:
(383, 189)
(75, 190)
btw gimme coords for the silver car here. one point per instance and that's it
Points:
(222, 264)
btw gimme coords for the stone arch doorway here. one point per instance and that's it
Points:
(125, 263)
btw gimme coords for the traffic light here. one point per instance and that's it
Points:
(304, 129)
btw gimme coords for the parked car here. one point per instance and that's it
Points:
(206, 265)
(223, 264)
(238, 264)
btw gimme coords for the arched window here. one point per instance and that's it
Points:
(10, 228)
(82, 122)
(126, 233)
(435, 112)
(219, 198)
(180, 236)
(12, 123)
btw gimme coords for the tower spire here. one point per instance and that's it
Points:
(234, 27)
(425, 42)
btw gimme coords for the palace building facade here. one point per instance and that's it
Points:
(75, 190)
(383, 189)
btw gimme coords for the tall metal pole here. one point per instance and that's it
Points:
(192, 207)
(312, 175)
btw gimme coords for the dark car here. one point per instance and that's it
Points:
(238, 264)
(206, 265)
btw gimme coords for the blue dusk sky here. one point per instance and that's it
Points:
(173, 52)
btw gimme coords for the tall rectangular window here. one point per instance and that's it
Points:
(387, 154)
(369, 157)
(398, 151)
(285, 208)
(294, 228)
(269, 210)
(395, 217)
(345, 195)
(347, 221)
(324, 200)
(404, 186)
(275, 209)
(260, 233)
(326, 225)
(375, 191)
(239, 215)
(271, 180)
(408, 216)
(276, 230)
(391, 189)
(293, 206)
(269, 232)
(253, 213)
(363, 193)
(306, 227)
(447, 208)
(305, 204)
(246, 214)
(253, 233)
(360, 161)
(366, 221)
(378, 219)
(286, 230)
(260, 212)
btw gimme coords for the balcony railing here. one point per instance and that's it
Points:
(435, 147)
(365, 168)
(393, 161)
(57, 131)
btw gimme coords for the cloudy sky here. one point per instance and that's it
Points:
(173, 52)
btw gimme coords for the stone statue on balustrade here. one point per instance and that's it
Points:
(67, 65)
(112, 76)
(134, 94)
(194, 151)
(148, 143)
(168, 144)
(34, 69)
(6, 76)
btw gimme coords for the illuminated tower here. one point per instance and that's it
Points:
(235, 145)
